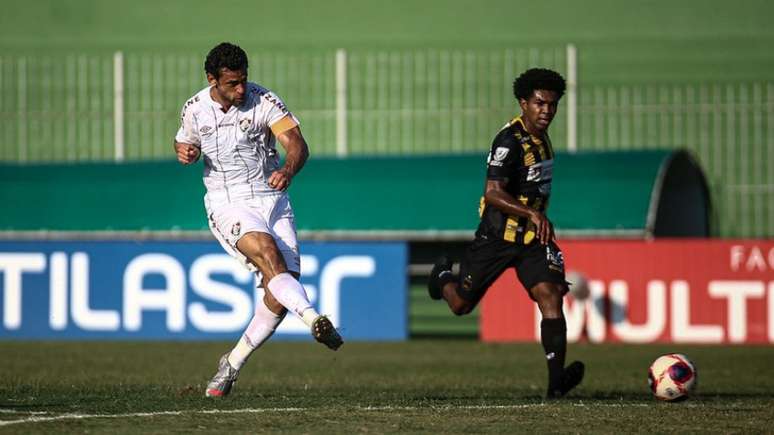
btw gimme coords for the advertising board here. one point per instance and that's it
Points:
(189, 290)
(672, 291)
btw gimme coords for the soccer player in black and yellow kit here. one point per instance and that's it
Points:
(514, 230)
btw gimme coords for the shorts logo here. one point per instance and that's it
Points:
(555, 259)
(244, 124)
(206, 130)
(500, 154)
(236, 229)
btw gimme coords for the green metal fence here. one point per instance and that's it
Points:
(65, 107)
(728, 126)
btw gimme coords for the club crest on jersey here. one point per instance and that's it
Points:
(236, 229)
(500, 153)
(244, 124)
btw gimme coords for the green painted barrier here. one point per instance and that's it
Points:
(404, 197)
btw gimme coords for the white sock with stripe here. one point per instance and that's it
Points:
(260, 328)
(291, 294)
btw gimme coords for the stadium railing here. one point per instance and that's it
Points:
(61, 108)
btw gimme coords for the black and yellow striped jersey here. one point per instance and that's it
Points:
(525, 163)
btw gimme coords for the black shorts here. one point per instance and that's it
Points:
(486, 259)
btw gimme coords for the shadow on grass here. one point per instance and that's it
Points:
(634, 396)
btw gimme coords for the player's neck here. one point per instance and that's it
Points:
(532, 129)
(225, 106)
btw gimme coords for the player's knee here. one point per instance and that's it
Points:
(547, 295)
(258, 249)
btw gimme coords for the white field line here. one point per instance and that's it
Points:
(37, 418)
(147, 414)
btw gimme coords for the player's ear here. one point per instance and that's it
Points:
(211, 79)
(523, 104)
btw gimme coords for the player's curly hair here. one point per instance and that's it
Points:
(538, 78)
(225, 55)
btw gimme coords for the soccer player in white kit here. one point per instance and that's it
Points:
(234, 124)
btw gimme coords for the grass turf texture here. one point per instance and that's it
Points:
(437, 386)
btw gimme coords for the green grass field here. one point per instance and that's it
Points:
(431, 386)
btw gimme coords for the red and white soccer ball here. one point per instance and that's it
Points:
(672, 377)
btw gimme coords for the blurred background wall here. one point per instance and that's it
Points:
(428, 77)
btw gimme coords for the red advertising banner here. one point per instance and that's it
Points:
(669, 291)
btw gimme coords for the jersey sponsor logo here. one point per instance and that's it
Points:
(244, 124)
(541, 171)
(191, 101)
(206, 130)
(187, 104)
(276, 102)
(500, 153)
(226, 124)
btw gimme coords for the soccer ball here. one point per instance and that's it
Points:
(672, 377)
(579, 286)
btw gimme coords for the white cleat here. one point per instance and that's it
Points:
(324, 332)
(224, 379)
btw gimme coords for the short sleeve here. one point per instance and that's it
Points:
(188, 131)
(276, 112)
(504, 158)
(284, 124)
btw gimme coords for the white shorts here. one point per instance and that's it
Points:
(270, 214)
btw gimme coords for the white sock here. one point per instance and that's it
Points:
(260, 328)
(290, 293)
(309, 316)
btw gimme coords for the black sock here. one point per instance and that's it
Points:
(553, 335)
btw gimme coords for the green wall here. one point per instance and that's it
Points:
(592, 192)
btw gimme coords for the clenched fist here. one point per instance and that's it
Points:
(187, 153)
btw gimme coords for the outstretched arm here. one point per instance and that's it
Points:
(296, 154)
(499, 198)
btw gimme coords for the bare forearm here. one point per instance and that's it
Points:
(296, 151)
(295, 159)
(506, 203)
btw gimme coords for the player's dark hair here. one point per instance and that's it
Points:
(538, 79)
(225, 55)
